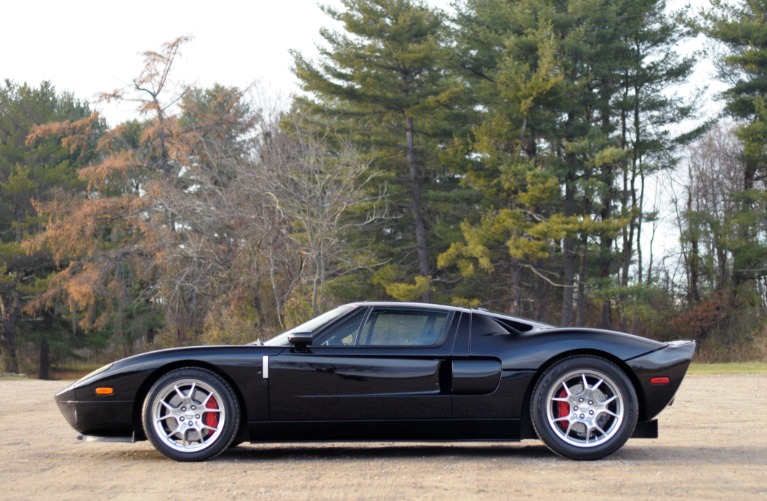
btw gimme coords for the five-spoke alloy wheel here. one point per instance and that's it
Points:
(191, 414)
(584, 407)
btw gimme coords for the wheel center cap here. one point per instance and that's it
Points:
(584, 408)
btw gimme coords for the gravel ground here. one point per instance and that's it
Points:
(711, 446)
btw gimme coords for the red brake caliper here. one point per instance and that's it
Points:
(563, 410)
(211, 418)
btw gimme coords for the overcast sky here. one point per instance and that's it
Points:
(92, 46)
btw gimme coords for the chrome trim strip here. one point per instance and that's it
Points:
(265, 370)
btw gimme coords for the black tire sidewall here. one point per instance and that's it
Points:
(539, 405)
(229, 403)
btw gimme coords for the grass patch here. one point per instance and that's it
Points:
(72, 372)
(729, 368)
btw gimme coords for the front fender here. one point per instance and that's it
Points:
(130, 378)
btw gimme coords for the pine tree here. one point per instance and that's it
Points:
(33, 172)
(567, 92)
(384, 78)
(741, 27)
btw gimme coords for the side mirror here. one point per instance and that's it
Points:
(301, 340)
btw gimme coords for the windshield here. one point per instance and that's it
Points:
(312, 325)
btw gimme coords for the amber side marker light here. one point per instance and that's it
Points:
(659, 380)
(104, 391)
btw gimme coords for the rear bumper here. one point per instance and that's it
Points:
(670, 362)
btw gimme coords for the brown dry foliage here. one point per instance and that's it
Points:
(117, 166)
(700, 320)
(74, 134)
(74, 228)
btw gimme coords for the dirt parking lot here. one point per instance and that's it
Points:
(713, 445)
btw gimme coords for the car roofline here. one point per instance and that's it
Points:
(414, 304)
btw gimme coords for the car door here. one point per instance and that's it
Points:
(481, 388)
(379, 362)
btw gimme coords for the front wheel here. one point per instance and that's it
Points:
(191, 414)
(584, 407)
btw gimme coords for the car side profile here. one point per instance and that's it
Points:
(389, 371)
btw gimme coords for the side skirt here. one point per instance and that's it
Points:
(99, 438)
(327, 431)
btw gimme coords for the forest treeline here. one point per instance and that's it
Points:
(499, 156)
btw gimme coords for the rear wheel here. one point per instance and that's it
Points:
(584, 407)
(191, 414)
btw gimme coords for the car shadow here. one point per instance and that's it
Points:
(367, 451)
(690, 455)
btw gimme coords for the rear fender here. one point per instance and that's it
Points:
(660, 374)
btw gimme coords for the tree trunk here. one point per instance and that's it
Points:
(580, 315)
(604, 273)
(568, 254)
(9, 314)
(417, 208)
(44, 370)
(693, 264)
(746, 233)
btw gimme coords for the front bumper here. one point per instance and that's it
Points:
(103, 417)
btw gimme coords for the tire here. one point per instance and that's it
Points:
(191, 414)
(584, 408)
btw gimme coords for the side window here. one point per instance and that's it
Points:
(403, 328)
(344, 333)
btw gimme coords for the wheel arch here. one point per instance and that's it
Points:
(159, 372)
(527, 430)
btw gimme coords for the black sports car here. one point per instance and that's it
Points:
(388, 371)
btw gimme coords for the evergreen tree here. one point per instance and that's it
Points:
(384, 78)
(31, 172)
(741, 27)
(569, 96)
